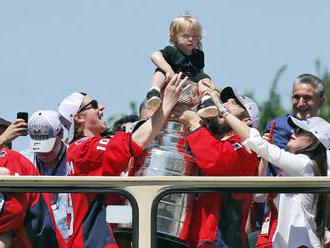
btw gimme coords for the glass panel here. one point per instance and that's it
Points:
(239, 219)
(93, 220)
(173, 218)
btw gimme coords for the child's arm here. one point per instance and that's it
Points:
(159, 61)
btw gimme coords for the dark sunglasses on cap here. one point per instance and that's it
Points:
(92, 104)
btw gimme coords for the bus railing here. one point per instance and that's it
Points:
(144, 193)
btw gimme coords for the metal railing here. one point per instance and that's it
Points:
(144, 193)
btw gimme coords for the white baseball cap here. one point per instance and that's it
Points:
(315, 125)
(43, 127)
(67, 109)
(250, 106)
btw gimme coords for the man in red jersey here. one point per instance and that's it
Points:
(219, 152)
(4, 124)
(26, 219)
(90, 154)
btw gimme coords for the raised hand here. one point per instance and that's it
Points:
(268, 137)
(17, 128)
(173, 90)
(205, 86)
(216, 99)
(189, 118)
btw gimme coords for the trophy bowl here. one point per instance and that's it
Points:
(169, 155)
(189, 95)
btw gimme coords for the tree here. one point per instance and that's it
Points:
(272, 107)
(325, 76)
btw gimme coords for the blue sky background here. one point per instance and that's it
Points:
(49, 49)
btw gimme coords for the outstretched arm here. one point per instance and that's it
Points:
(145, 134)
(292, 164)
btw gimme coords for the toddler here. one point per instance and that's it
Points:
(184, 55)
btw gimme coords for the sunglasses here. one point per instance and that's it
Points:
(92, 104)
(298, 131)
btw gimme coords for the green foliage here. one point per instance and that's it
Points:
(325, 76)
(132, 105)
(272, 107)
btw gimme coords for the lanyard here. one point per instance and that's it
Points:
(40, 165)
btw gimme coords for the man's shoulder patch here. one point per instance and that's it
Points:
(2, 154)
(237, 146)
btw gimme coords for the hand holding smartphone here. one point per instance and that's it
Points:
(25, 117)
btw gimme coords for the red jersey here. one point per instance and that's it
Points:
(28, 216)
(219, 158)
(96, 156)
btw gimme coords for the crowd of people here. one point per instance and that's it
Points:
(222, 135)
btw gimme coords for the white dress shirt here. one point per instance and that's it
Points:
(296, 215)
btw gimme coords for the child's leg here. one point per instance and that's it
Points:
(206, 108)
(157, 85)
(158, 80)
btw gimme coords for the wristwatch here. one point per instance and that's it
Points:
(224, 111)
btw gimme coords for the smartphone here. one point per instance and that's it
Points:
(25, 117)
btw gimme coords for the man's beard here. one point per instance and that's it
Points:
(218, 129)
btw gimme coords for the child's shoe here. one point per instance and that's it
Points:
(207, 108)
(153, 98)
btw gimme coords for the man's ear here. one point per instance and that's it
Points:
(78, 118)
(248, 121)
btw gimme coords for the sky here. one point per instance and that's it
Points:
(49, 49)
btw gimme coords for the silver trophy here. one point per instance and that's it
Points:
(169, 155)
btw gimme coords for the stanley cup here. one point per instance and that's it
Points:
(169, 155)
(190, 95)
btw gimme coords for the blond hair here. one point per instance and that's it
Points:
(183, 24)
